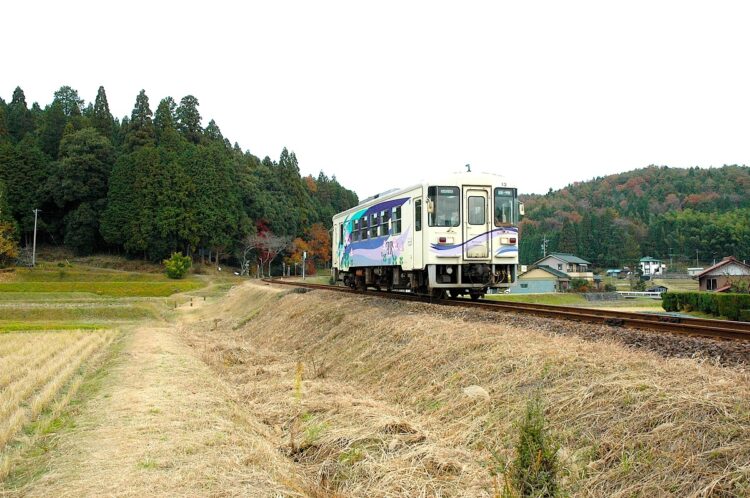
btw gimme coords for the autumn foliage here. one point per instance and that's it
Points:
(317, 244)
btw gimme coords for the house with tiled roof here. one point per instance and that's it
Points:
(570, 264)
(721, 276)
(539, 279)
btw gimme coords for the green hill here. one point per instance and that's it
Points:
(657, 211)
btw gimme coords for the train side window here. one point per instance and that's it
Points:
(363, 225)
(374, 225)
(355, 231)
(418, 215)
(443, 206)
(341, 234)
(396, 220)
(385, 217)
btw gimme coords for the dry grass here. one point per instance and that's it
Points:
(161, 425)
(391, 417)
(41, 372)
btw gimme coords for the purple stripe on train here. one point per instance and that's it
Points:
(457, 249)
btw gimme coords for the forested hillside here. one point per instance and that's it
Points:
(149, 184)
(655, 211)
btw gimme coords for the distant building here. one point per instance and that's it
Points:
(652, 266)
(694, 272)
(721, 276)
(541, 279)
(657, 288)
(573, 266)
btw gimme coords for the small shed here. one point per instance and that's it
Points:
(657, 288)
(540, 279)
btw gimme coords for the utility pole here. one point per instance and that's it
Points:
(33, 251)
(304, 259)
(696, 258)
(544, 246)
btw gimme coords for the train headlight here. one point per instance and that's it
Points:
(449, 270)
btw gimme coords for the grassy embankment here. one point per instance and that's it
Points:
(57, 328)
(383, 399)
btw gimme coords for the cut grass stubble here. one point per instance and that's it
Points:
(38, 371)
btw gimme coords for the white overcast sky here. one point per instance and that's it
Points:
(383, 94)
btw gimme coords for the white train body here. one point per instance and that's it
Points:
(456, 234)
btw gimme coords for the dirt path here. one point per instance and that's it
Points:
(162, 425)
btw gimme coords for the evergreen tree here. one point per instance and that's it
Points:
(189, 119)
(216, 199)
(165, 117)
(140, 131)
(4, 134)
(52, 129)
(72, 104)
(79, 185)
(23, 168)
(568, 239)
(118, 218)
(213, 132)
(101, 118)
(20, 119)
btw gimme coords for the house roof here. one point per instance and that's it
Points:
(725, 261)
(649, 259)
(568, 258)
(552, 271)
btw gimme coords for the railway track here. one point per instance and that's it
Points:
(664, 323)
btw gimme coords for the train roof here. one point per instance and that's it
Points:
(459, 178)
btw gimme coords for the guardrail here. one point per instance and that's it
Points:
(634, 294)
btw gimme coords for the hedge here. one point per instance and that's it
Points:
(728, 305)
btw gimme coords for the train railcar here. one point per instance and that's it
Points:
(456, 235)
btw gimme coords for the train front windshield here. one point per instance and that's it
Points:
(443, 206)
(504, 207)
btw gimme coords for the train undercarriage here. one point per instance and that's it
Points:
(447, 280)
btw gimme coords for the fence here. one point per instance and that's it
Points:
(633, 294)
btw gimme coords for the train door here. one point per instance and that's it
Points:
(476, 223)
(418, 262)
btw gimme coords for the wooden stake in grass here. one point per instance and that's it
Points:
(298, 382)
(293, 429)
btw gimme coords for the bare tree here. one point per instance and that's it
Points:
(266, 246)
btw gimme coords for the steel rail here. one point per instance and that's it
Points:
(723, 329)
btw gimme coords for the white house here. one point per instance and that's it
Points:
(652, 266)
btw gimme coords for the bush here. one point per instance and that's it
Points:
(728, 305)
(178, 265)
(8, 246)
(610, 288)
(579, 285)
(533, 472)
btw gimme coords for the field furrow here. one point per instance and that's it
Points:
(34, 388)
(20, 363)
